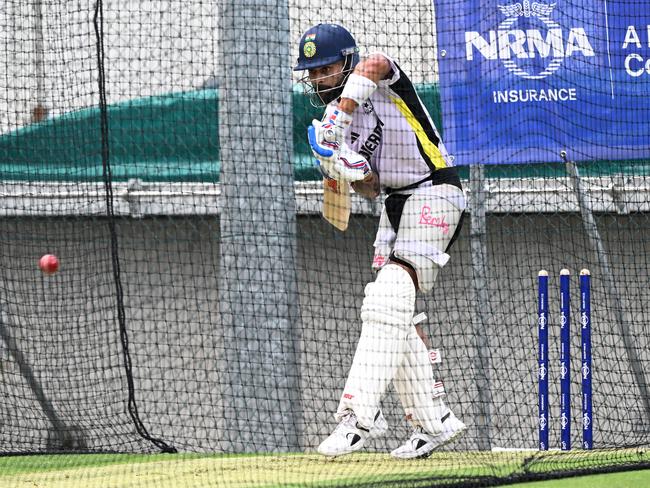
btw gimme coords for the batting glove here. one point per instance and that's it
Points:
(342, 164)
(332, 130)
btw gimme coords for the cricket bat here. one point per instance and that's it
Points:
(337, 203)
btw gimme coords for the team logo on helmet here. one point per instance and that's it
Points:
(309, 49)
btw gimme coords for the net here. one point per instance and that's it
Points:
(203, 304)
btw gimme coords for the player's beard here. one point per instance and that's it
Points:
(329, 94)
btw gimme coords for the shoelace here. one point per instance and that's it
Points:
(348, 421)
(417, 431)
(417, 434)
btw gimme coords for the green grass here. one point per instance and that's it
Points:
(312, 470)
(628, 479)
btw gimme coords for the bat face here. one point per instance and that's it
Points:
(336, 203)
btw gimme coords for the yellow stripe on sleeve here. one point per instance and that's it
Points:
(430, 149)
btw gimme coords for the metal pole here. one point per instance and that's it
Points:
(60, 437)
(481, 321)
(39, 112)
(258, 294)
(622, 319)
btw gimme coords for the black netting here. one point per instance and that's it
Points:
(204, 305)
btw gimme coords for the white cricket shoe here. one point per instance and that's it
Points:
(422, 444)
(349, 436)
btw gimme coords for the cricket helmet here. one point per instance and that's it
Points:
(326, 44)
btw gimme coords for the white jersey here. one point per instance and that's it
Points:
(395, 133)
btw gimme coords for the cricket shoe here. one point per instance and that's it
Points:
(349, 436)
(422, 444)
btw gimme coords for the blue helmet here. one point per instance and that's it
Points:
(325, 44)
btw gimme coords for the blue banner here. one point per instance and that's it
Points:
(523, 81)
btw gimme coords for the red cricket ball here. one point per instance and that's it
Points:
(49, 264)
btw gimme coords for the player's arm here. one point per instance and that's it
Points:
(360, 85)
(327, 137)
(363, 81)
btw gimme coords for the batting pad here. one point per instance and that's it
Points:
(386, 314)
(414, 386)
(426, 227)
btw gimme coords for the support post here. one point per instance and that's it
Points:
(481, 322)
(258, 297)
(622, 317)
(61, 437)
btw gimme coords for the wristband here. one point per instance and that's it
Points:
(358, 88)
(421, 317)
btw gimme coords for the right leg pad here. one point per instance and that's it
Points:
(386, 313)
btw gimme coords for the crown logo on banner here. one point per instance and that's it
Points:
(526, 9)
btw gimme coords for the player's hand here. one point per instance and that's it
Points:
(332, 130)
(351, 166)
(323, 168)
(368, 187)
(326, 137)
(342, 164)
